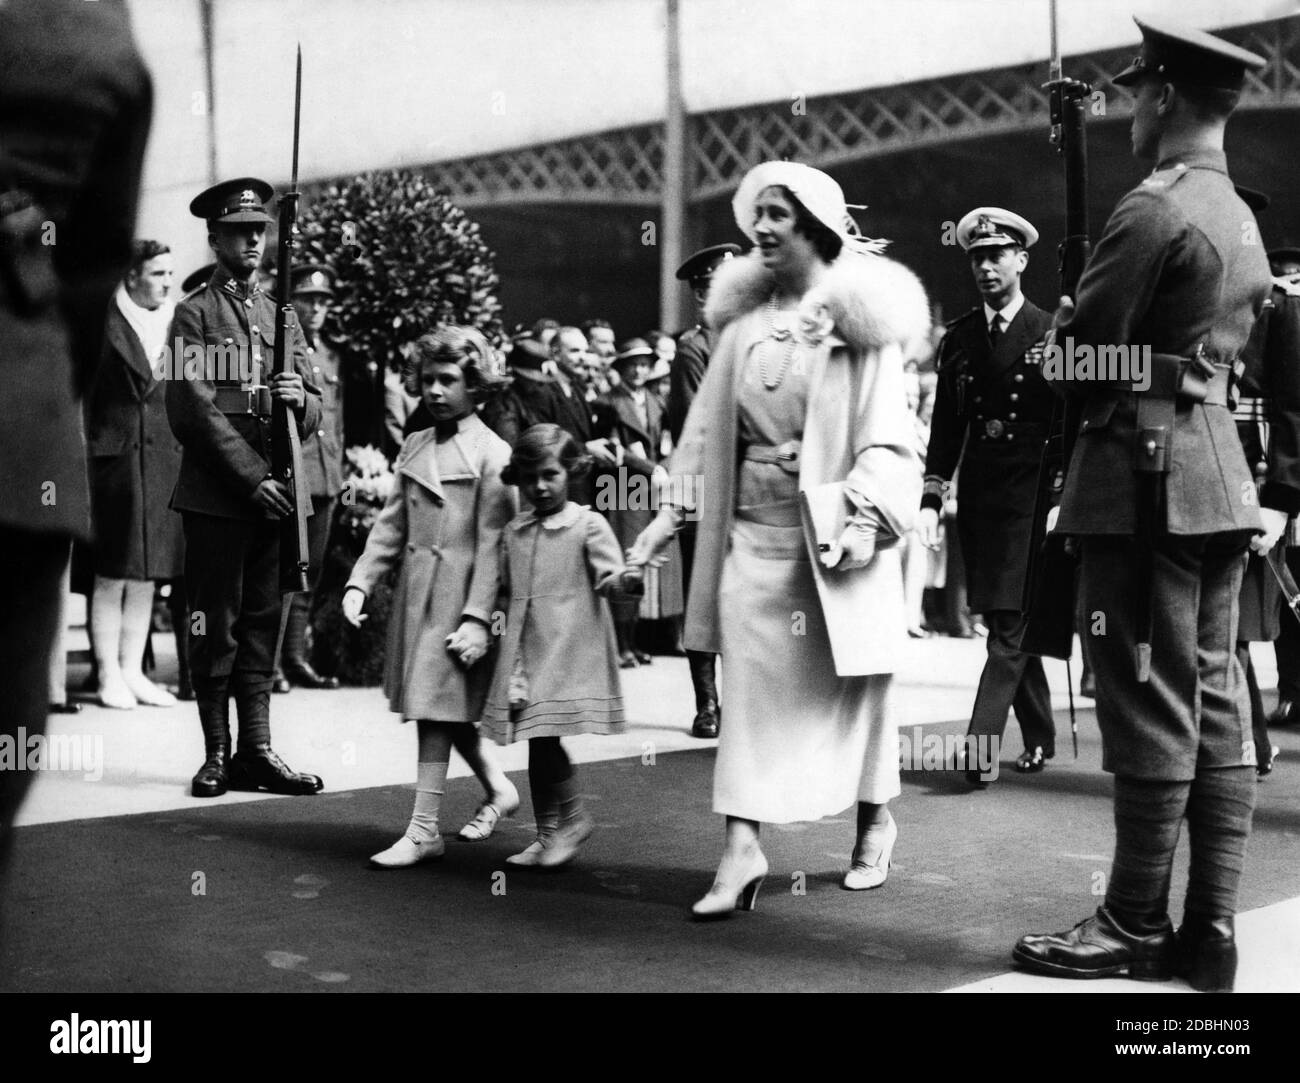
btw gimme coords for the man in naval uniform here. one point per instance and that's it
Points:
(993, 404)
(230, 504)
(1162, 506)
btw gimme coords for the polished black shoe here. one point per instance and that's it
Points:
(642, 657)
(262, 769)
(213, 778)
(1033, 760)
(1207, 953)
(280, 684)
(1264, 767)
(1098, 948)
(67, 707)
(706, 723)
(301, 674)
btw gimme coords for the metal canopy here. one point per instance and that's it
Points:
(625, 166)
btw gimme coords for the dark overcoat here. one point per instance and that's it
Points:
(134, 462)
(993, 404)
(1268, 422)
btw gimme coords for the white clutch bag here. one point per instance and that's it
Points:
(825, 510)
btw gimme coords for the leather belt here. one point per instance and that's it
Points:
(996, 428)
(239, 400)
(786, 455)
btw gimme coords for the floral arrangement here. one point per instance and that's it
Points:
(368, 480)
(354, 655)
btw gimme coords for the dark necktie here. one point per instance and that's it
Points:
(995, 329)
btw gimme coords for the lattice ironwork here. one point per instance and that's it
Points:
(625, 166)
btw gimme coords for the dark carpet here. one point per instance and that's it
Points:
(277, 896)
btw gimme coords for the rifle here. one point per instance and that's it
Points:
(1049, 593)
(286, 444)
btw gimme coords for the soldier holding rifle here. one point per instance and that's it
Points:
(231, 503)
(1161, 502)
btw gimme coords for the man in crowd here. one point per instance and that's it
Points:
(693, 349)
(322, 460)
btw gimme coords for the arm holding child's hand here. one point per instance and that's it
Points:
(469, 642)
(354, 600)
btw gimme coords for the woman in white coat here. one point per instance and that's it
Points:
(799, 446)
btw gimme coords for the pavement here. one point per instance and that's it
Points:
(141, 761)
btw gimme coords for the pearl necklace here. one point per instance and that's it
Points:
(777, 332)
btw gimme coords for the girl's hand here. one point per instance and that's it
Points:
(653, 540)
(468, 643)
(633, 581)
(354, 600)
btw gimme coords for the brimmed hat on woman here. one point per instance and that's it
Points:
(820, 194)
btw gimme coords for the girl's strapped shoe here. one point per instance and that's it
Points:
(485, 819)
(406, 852)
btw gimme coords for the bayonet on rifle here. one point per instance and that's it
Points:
(286, 444)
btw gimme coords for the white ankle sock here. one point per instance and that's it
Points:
(429, 781)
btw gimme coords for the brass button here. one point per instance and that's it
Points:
(1015, 397)
(1011, 417)
(1020, 377)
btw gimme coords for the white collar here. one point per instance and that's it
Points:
(1008, 314)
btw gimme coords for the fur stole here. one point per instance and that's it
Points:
(871, 300)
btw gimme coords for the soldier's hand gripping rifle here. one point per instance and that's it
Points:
(286, 444)
(1049, 583)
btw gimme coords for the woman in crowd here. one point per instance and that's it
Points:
(637, 419)
(801, 449)
(134, 460)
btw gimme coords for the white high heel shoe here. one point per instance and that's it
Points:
(736, 891)
(864, 875)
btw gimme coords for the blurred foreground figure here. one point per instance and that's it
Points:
(75, 106)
